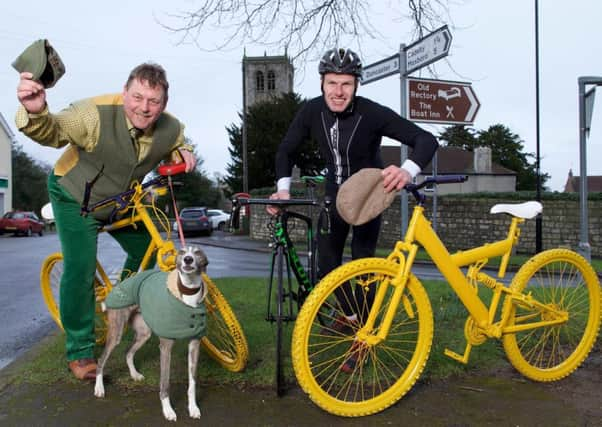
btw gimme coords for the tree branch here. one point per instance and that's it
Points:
(304, 28)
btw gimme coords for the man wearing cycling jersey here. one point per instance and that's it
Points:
(349, 130)
(118, 138)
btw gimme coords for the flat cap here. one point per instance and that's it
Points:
(362, 197)
(41, 60)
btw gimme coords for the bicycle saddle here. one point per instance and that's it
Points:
(525, 210)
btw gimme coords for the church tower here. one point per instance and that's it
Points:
(265, 77)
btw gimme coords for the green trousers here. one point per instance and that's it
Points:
(79, 237)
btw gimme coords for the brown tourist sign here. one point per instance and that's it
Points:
(440, 101)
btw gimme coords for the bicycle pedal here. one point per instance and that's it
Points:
(458, 357)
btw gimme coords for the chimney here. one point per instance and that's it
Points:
(482, 160)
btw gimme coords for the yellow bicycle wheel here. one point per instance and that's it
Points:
(384, 370)
(225, 341)
(50, 283)
(564, 281)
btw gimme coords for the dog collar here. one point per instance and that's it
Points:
(184, 290)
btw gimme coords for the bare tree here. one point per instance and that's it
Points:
(303, 28)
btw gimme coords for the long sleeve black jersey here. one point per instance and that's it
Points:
(350, 141)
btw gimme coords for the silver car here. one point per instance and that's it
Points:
(219, 219)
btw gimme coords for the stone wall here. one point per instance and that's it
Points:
(463, 223)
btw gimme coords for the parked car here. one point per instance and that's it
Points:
(219, 219)
(21, 222)
(194, 221)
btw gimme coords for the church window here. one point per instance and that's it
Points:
(271, 80)
(259, 81)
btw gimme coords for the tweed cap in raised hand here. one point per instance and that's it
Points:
(362, 197)
(41, 60)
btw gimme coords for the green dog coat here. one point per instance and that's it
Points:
(166, 315)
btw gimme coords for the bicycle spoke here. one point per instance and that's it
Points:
(341, 365)
(560, 281)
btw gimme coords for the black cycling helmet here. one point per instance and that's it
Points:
(341, 61)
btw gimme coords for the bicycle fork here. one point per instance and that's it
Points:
(283, 291)
(366, 332)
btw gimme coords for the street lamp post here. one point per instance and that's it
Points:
(245, 172)
(538, 220)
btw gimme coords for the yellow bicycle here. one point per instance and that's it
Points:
(225, 341)
(548, 317)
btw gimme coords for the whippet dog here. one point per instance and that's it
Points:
(171, 305)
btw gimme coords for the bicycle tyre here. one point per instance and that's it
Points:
(225, 341)
(390, 368)
(571, 284)
(50, 283)
(50, 276)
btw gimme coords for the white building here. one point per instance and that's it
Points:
(484, 175)
(6, 170)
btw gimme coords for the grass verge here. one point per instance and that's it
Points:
(247, 296)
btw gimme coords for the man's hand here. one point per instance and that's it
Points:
(189, 158)
(394, 178)
(279, 195)
(31, 94)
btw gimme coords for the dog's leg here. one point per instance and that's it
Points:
(165, 346)
(142, 334)
(193, 359)
(116, 320)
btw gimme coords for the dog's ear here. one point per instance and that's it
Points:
(201, 255)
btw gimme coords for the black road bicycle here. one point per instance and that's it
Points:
(287, 265)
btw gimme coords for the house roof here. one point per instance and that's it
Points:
(594, 183)
(450, 160)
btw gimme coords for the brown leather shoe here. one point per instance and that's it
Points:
(83, 369)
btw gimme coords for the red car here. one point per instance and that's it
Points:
(21, 222)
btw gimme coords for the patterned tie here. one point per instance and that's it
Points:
(135, 133)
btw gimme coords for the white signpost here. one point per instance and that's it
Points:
(381, 69)
(419, 54)
(428, 49)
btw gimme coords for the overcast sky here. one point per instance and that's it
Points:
(493, 47)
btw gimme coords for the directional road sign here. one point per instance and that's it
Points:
(440, 101)
(428, 49)
(381, 69)
(421, 53)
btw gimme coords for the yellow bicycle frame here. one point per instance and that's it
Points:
(166, 250)
(420, 231)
